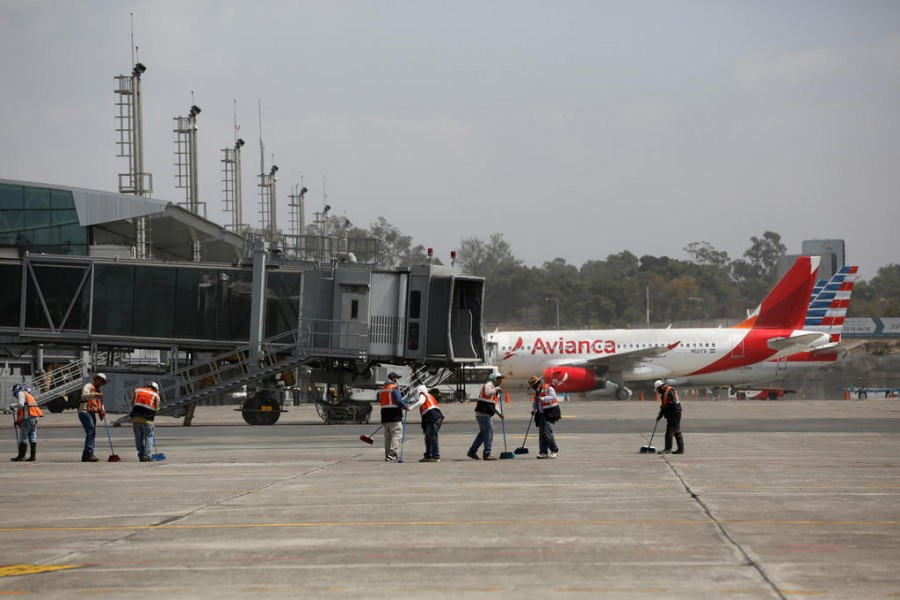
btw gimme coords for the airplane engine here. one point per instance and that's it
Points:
(573, 379)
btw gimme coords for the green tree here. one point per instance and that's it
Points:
(394, 248)
(703, 253)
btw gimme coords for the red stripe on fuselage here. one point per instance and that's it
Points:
(753, 348)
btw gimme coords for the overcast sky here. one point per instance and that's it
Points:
(577, 129)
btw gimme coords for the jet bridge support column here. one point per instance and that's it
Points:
(258, 298)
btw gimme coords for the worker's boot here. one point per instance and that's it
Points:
(680, 441)
(21, 455)
(668, 448)
(33, 456)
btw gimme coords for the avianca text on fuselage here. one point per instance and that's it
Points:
(563, 346)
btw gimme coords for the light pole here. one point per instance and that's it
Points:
(548, 298)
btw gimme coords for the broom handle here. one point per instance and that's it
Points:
(109, 437)
(650, 443)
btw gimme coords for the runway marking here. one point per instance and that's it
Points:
(16, 570)
(561, 522)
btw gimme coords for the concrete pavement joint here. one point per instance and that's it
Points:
(724, 532)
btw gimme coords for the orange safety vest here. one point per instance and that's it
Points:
(429, 403)
(664, 396)
(33, 409)
(482, 395)
(547, 402)
(386, 395)
(147, 398)
(92, 404)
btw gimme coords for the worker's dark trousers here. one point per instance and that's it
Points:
(673, 430)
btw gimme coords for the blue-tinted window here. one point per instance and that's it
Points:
(11, 197)
(40, 220)
(37, 199)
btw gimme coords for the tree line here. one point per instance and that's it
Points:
(617, 291)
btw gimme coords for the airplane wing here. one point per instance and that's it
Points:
(621, 360)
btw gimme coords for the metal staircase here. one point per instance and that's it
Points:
(60, 381)
(234, 369)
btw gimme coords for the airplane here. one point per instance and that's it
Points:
(826, 312)
(583, 361)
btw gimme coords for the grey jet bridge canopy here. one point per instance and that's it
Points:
(346, 317)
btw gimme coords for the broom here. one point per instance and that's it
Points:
(648, 449)
(368, 438)
(505, 453)
(522, 449)
(157, 455)
(113, 457)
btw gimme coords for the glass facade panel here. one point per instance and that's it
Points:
(58, 284)
(148, 301)
(61, 199)
(282, 302)
(113, 299)
(236, 307)
(11, 197)
(40, 220)
(154, 302)
(37, 198)
(64, 216)
(10, 292)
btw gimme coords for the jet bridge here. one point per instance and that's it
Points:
(211, 328)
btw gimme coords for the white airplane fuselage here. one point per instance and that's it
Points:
(640, 355)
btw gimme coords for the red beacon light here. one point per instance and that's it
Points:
(430, 254)
(453, 258)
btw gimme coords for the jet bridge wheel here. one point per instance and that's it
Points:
(260, 411)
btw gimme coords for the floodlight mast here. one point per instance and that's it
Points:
(130, 145)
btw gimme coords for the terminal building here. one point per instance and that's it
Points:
(205, 311)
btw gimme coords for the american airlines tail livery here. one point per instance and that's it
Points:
(586, 360)
(826, 312)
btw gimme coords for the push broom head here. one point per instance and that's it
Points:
(507, 455)
(114, 458)
(366, 439)
(648, 450)
(522, 450)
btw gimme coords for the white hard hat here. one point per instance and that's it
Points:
(422, 389)
(101, 376)
(659, 383)
(154, 385)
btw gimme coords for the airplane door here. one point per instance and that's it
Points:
(354, 315)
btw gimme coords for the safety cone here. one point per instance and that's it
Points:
(506, 398)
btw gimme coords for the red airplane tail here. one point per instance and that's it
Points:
(786, 305)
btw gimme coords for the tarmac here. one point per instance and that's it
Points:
(781, 499)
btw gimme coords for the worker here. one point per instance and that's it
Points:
(27, 411)
(143, 411)
(485, 409)
(670, 408)
(546, 412)
(392, 407)
(91, 407)
(432, 417)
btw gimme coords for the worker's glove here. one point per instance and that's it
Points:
(659, 416)
(13, 407)
(499, 390)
